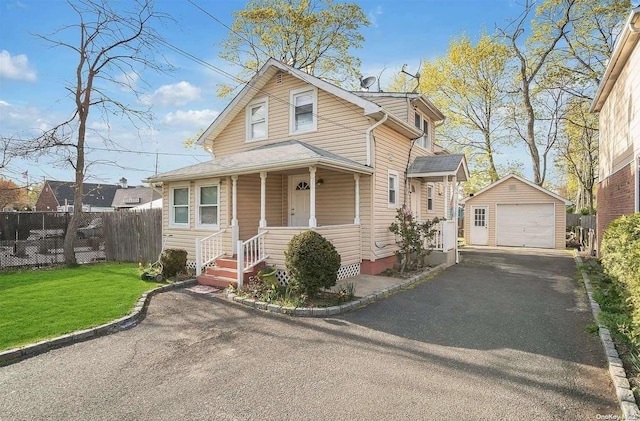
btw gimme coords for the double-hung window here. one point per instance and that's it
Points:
(258, 120)
(430, 198)
(208, 202)
(393, 189)
(179, 206)
(303, 110)
(423, 124)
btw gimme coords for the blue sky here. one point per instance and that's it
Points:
(33, 75)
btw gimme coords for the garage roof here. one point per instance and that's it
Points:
(513, 176)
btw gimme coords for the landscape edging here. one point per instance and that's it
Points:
(331, 311)
(628, 404)
(14, 355)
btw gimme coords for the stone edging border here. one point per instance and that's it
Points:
(15, 355)
(618, 375)
(331, 311)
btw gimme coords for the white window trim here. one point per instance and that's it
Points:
(427, 133)
(252, 104)
(173, 224)
(396, 175)
(292, 110)
(431, 188)
(199, 225)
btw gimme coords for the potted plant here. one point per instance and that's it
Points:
(268, 276)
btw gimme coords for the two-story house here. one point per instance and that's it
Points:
(618, 102)
(292, 152)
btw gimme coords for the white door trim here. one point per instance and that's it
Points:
(472, 218)
(417, 213)
(294, 179)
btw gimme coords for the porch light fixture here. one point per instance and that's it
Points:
(319, 181)
(440, 189)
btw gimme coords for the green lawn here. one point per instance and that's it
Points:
(40, 304)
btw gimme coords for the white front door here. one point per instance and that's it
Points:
(479, 225)
(415, 199)
(299, 204)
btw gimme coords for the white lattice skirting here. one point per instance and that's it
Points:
(344, 272)
(191, 264)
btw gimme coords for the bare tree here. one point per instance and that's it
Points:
(114, 47)
(532, 55)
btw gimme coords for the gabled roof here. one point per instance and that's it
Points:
(414, 97)
(624, 47)
(96, 195)
(273, 157)
(515, 177)
(439, 166)
(269, 70)
(134, 196)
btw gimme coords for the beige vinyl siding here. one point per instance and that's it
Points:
(366, 215)
(620, 119)
(513, 192)
(248, 205)
(399, 107)
(340, 126)
(345, 238)
(335, 198)
(391, 153)
(184, 238)
(273, 202)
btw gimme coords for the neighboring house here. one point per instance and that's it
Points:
(515, 212)
(292, 152)
(155, 204)
(618, 103)
(133, 197)
(58, 196)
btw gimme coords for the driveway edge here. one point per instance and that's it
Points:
(343, 308)
(138, 314)
(618, 375)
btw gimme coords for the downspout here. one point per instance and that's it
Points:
(368, 137)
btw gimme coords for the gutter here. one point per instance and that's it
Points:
(368, 136)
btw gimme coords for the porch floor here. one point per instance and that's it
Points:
(367, 284)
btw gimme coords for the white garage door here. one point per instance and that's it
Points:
(525, 225)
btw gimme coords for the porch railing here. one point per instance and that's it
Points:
(208, 249)
(250, 253)
(445, 237)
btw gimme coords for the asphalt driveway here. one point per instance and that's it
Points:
(499, 336)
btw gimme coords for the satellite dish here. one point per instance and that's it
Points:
(367, 82)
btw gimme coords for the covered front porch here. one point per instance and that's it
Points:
(266, 208)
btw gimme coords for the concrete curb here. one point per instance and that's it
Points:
(138, 314)
(618, 375)
(332, 311)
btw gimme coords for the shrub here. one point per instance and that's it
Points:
(413, 238)
(621, 257)
(174, 261)
(312, 262)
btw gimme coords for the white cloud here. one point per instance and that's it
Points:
(194, 118)
(128, 81)
(174, 95)
(16, 67)
(373, 16)
(4, 103)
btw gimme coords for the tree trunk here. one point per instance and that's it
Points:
(531, 135)
(493, 172)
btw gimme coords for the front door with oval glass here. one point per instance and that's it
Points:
(479, 225)
(299, 209)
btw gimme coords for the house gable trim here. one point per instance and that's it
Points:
(527, 182)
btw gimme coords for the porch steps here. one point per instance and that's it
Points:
(224, 273)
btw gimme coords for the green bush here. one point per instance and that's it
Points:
(621, 257)
(312, 262)
(174, 261)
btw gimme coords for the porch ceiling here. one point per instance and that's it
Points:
(280, 156)
(433, 168)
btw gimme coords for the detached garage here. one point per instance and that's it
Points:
(515, 212)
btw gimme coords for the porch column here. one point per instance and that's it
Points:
(356, 220)
(263, 199)
(455, 217)
(235, 232)
(312, 198)
(445, 187)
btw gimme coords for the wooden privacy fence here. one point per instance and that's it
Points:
(133, 236)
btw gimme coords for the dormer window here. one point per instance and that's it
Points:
(423, 124)
(257, 119)
(303, 110)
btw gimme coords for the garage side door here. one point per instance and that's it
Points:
(525, 225)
